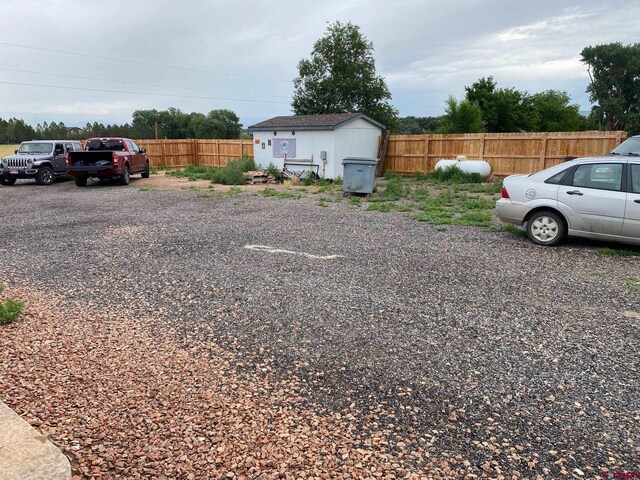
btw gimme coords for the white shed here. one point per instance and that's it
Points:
(315, 143)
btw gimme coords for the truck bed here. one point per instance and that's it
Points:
(91, 161)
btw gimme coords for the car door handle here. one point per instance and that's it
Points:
(575, 192)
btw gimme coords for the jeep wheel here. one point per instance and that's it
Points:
(7, 181)
(45, 176)
(146, 172)
(80, 181)
(125, 178)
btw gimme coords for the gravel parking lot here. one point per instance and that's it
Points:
(464, 351)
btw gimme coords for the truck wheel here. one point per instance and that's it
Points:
(125, 178)
(146, 172)
(80, 181)
(45, 176)
(7, 181)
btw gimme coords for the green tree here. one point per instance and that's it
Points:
(554, 112)
(341, 77)
(227, 124)
(416, 125)
(615, 85)
(461, 117)
(503, 109)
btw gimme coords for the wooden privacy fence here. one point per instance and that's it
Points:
(507, 153)
(180, 153)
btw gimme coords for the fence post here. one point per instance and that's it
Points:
(543, 153)
(164, 154)
(195, 151)
(427, 167)
(482, 139)
(216, 152)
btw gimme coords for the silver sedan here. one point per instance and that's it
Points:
(597, 198)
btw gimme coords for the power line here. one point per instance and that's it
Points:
(140, 93)
(136, 83)
(138, 62)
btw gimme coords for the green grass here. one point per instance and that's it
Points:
(9, 309)
(597, 274)
(388, 207)
(272, 192)
(355, 201)
(633, 282)
(145, 189)
(620, 252)
(322, 202)
(510, 228)
(231, 174)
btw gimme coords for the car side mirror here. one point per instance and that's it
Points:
(15, 152)
(143, 150)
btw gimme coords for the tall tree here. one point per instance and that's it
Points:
(503, 109)
(341, 77)
(461, 117)
(615, 84)
(554, 112)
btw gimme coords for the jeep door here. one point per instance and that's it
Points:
(631, 226)
(59, 160)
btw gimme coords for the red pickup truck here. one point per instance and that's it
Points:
(108, 158)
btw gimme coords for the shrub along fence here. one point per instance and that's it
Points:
(507, 153)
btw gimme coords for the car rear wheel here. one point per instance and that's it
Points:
(7, 181)
(545, 228)
(80, 181)
(125, 178)
(45, 176)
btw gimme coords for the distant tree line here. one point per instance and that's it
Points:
(172, 123)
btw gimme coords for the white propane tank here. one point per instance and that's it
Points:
(467, 166)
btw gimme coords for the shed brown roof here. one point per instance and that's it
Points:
(311, 122)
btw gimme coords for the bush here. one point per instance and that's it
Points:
(452, 174)
(9, 310)
(231, 174)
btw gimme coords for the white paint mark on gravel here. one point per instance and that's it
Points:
(268, 249)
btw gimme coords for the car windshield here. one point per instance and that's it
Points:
(631, 146)
(104, 145)
(36, 148)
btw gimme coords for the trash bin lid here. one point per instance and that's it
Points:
(359, 161)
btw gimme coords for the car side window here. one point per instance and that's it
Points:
(58, 149)
(68, 147)
(131, 147)
(635, 177)
(135, 147)
(602, 176)
(557, 178)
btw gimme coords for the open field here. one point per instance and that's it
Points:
(7, 150)
(292, 332)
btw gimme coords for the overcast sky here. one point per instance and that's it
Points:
(243, 55)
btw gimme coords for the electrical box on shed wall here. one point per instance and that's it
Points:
(323, 155)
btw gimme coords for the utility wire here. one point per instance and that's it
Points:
(139, 93)
(138, 62)
(137, 83)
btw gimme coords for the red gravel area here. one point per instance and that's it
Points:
(129, 398)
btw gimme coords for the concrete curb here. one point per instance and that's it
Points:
(25, 454)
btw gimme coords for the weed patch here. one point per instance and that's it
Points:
(231, 174)
(620, 252)
(9, 309)
(272, 192)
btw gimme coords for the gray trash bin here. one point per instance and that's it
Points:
(359, 175)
